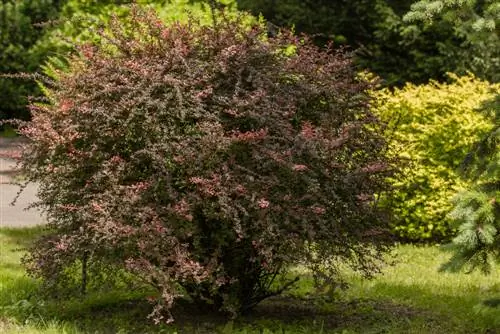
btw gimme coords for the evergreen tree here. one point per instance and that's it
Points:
(477, 210)
(476, 23)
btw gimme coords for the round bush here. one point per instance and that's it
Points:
(206, 161)
(433, 127)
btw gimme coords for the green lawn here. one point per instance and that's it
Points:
(410, 297)
(8, 132)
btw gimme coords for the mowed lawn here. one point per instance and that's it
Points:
(410, 297)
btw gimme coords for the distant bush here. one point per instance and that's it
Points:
(433, 127)
(447, 36)
(205, 161)
(18, 34)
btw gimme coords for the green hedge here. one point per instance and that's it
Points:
(432, 127)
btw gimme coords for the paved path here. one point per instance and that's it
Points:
(15, 216)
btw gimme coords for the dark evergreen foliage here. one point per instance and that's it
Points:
(477, 210)
(396, 50)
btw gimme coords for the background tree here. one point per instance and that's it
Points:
(476, 211)
(397, 50)
(433, 38)
(477, 23)
(18, 34)
(80, 20)
(25, 45)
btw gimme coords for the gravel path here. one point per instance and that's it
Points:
(17, 215)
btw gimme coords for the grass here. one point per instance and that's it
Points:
(8, 132)
(410, 297)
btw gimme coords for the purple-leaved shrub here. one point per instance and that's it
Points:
(205, 161)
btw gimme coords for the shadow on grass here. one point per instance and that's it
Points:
(123, 312)
(127, 312)
(360, 315)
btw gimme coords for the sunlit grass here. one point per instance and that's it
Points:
(457, 302)
(410, 297)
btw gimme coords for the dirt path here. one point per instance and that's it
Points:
(15, 216)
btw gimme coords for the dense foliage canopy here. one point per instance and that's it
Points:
(31, 32)
(206, 157)
(205, 161)
(433, 127)
(476, 23)
(18, 34)
(396, 45)
(400, 41)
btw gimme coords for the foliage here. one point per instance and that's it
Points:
(81, 20)
(205, 161)
(17, 35)
(397, 50)
(370, 27)
(433, 127)
(472, 17)
(476, 22)
(61, 23)
(353, 24)
(400, 52)
(476, 211)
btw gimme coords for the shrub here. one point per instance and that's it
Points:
(433, 127)
(206, 161)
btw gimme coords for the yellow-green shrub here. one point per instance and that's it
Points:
(432, 127)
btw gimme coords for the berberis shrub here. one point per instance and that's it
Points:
(206, 161)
